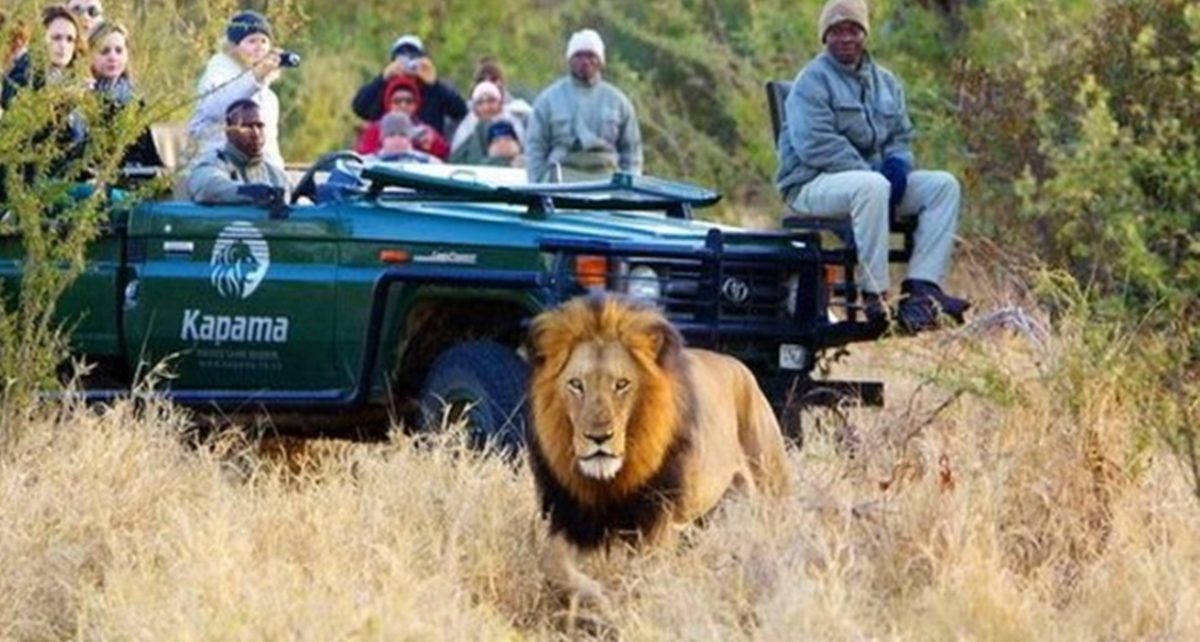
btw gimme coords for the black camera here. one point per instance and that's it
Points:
(289, 59)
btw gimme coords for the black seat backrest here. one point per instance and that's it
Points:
(777, 93)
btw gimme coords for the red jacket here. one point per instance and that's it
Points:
(426, 138)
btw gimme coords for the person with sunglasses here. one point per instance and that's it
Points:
(90, 13)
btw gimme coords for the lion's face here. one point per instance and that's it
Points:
(599, 388)
(605, 395)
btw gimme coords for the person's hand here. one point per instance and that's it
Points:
(421, 136)
(393, 69)
(424, 69)
(264, 69)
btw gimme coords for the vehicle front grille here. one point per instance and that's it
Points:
(739, 290)
(743, 284)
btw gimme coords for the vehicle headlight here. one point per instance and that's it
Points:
(643, 283)
(793, 291)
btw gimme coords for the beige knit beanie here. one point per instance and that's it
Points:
(836, 11)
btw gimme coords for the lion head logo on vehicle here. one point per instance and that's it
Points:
(240, 260)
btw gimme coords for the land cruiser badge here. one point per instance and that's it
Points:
(240, 259)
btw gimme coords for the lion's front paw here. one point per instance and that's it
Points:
(588, 593)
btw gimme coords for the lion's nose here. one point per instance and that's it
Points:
(600, 438)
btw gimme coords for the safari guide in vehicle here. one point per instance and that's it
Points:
(844, 150)
(222, 175)
(581, 124)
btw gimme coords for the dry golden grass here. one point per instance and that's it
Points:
(1008, 492)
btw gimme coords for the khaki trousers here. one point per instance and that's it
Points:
(862, 196)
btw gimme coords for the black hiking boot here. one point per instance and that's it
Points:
(950, 306)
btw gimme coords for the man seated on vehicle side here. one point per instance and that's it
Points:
(844, 151)
(219, 175)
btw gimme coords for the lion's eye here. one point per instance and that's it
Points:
(622, 385)
(575, 385)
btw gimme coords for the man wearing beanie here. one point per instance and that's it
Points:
(244, 69)
(441, 104)
(844, 151)
(582, 127)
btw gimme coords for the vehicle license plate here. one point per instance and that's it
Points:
(793, 356)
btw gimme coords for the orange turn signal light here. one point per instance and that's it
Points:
(394, 256)
(833, 274)
(591, 271)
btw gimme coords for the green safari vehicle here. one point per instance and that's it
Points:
(410, 288)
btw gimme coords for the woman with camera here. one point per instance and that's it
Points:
(245, 68)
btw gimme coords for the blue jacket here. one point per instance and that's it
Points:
(838, 119)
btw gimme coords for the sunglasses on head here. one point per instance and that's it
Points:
(92, 11)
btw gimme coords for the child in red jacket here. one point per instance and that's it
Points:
(403, 95)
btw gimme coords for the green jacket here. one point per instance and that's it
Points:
(216, 175)
(473, 150)
(838, 119)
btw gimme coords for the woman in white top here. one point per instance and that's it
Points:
(244, 68)
(512, 109)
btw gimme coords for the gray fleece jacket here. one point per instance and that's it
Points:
(838, 119)
(586, 127)
(215, 176)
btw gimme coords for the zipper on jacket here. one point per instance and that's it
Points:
(867, 113)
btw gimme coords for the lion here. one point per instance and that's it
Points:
(632, 433)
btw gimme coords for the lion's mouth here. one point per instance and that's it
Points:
(600, 465)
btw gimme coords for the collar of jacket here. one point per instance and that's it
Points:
(119, 90)
(861, 73)
(238, 157)
(584, 84)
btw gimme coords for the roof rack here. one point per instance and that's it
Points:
(623, 192)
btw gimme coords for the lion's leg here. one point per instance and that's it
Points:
(558, 563)
(762, 440)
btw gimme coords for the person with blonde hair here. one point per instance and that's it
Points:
(112, 80)
(845, 152)
(245, 68)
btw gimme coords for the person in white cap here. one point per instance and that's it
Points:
(844, 152)
(582, 127)
(441, 104)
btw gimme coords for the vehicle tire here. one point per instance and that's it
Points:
(485, 380)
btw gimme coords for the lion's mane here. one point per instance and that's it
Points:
(639, 498)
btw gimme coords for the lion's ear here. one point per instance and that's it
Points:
(539, 339)
(550, 341)
(667, 343)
